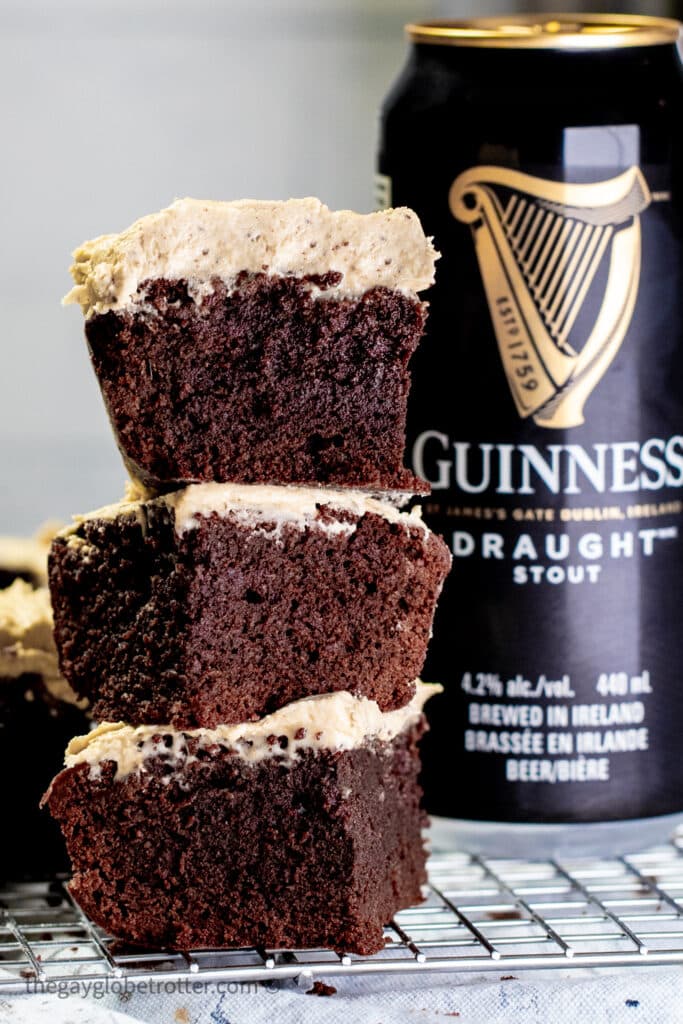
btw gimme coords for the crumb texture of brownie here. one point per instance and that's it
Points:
(316, 851)
(230, 619)
(261, 383)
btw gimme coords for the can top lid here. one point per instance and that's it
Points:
(550, 32)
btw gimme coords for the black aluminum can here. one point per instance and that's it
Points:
(546, 410)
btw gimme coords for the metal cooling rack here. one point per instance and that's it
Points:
(502, 915)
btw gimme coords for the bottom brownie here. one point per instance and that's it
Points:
(251, 835)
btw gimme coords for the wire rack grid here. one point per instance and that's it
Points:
(478, 915)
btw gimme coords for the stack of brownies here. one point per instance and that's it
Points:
(250, 623)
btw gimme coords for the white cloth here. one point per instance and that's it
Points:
(642, 995)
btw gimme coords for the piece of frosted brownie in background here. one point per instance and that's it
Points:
(223, 602)
(25, 558)
(38, 715)
(257, 341)
(300, 830)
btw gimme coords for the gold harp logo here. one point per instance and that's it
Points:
(543, 247)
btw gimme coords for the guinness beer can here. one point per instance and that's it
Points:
(546, 158)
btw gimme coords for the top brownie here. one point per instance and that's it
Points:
(258, 342)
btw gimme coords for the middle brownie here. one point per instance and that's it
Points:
(220, 603)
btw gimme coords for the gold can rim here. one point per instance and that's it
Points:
(549, 32)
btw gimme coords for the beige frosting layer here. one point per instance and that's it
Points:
(265, 508)
(26, 640)
(330, 721)
(263, 504)
(197, 240)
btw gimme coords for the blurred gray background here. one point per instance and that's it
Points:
(111, 110)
